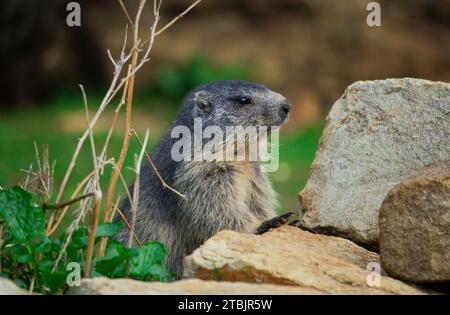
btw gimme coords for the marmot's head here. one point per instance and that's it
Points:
(238, 103)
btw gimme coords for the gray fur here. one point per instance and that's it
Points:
(221, 195)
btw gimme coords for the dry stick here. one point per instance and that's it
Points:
(30, 290)
(98, 196)
(134, 207)
(112, 90)
(155, 169)
(128, 225)
(150, 41)
(114, 122)
(63, 213)
(125, 11)
(39, 170)
(102, 157)
(91, 238)
(27, 179)
(71, 229)
(177, 17)
(67, 203)
(114, 210)
(126, 140)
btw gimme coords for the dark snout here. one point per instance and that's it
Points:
(285, 108)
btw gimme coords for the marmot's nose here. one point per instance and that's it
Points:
(286, 107)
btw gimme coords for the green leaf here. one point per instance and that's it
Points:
(147, 261)
(44, 246)
(114, 263)
(80, 236)
(24, 220)
(54, 281)
(19, 253)
(108, 229)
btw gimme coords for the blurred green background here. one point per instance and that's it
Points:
(309, 50)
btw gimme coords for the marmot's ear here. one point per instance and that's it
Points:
(202, 102)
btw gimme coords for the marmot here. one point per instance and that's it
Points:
(233, 195)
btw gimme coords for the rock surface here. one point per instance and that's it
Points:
(105, 286)
(290, 256)
(7, 287)
(377, 134)
(415, 226)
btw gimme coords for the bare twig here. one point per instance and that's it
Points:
(155, 169)
(134, 207)
(91, 237)
(138, 242)
(125, 11)
(174, 20)
(112, 90)
(27, 179)
(67, 203)
(126, 139)
(98, 196)
(31, 288)
(85, 204)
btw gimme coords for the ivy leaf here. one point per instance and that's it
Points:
(115, 262)
(80, 236)
(24, 220)
(108, 229)
(147, 261)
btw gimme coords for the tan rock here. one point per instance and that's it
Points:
(377, 134)
(290, 256)
(7, 287)
(105, 286)
(414, 226)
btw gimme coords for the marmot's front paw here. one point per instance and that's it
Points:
(275, 222)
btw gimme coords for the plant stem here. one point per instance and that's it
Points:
(126, 139)
(91, 237)
(67, 203)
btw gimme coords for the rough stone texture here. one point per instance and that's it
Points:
(377, 134)
(290, 256)
(7, 287)
(414, 226)
(105, 286)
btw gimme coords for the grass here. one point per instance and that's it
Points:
(53, 126)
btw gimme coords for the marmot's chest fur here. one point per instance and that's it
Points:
(235, 196)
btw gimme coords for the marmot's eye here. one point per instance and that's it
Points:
(244, 101)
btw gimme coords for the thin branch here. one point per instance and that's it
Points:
(125, 11)
(98, 196)
(174, 20)
(127, 224)
(58, 206)
(92, 232)
(126, 140)
(134, 207)
(112, 90)
(155, 169)
(77, 190)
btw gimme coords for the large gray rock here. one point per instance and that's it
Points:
(377, 134)
(415, 226)
(105, 286)
(288, 255)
